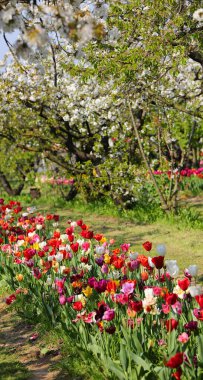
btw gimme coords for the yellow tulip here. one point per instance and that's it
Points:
(19, 277)
(36, 246)
(87, 291)
(55, 264)
(107, 258)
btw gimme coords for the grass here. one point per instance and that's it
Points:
(10, 367)
(181, 234)
(74, 364)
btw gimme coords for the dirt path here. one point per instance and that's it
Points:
(15, 340)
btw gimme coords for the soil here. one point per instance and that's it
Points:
(15, 339)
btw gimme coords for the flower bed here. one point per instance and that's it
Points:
(184, 172)
(138, 315)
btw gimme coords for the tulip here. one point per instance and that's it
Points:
(104, 268)
(62, 299)
(87, 291)
(172, 268)
(100, 250)
(166, 309)
(171, 298)
(59, 257)
(177, 307)
(198, 313)
(147, 246)
(175, 361)
(158, 261)
(19, 277)
(171, 324)
(191, 326)
(151, 264)
(77, 306)
(161, 249)
(195, 290)
(109, 315)
(199, 300)
(183, 338)
(183, 284)
(133, 256)
(111, 329)
(128, 288)
(193, 269)
(144, 276)
(177, 374)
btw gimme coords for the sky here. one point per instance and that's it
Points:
(3, 47)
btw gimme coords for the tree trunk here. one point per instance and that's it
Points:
(163, 201)
(7, 187)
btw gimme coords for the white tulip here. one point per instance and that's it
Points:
(195, 290)
(64, 237)
(100, 250)
(38, 226)
(151, 264)
(50, 258)
(149, 293)
(161, 249)
(49, 281)
(59, 257)
(193, 269)
(133, 256)
(172, 268)
(42, 244)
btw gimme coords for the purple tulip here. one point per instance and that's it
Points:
(99, 261)
(100, 286)
(191, 326)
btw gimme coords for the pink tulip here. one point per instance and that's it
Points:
(183, 338)
(128, 288)
(109, 315)
(62, 299)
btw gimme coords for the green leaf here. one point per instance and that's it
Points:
(116, 369)
(143, 363)
(123, 357)
(137, 344)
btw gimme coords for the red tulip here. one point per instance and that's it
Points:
(70, 238)
(98, 237)
(147, 246)
(75, 247)
(177, 374)
(199, 300)
(184, 283)
(171, 298)
(136, 305)
(175, 361)
(171, 324)
(158, 261)
(77, 306)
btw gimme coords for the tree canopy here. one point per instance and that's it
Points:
(127, 78)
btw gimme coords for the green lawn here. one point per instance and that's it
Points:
(183, 244)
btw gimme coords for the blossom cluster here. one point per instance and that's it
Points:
(85, 281)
